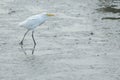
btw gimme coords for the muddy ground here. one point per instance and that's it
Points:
(82, 42)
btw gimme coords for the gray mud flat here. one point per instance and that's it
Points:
(76, 44)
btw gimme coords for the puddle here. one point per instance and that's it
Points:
(111, 18)
(109, 9)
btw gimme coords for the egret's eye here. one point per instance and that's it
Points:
(50, 15)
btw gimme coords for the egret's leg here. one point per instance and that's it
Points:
(34, 42)
(21, 43)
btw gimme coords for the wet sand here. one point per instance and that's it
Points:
(76, 44)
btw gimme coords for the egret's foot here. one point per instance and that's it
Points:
(21, 43)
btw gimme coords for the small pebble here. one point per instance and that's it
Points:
(11, 12)
(97, 55)
(90, 39)
(92, 33)
(55, 36)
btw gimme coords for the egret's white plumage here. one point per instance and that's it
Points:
(31, 23)
(34, 21)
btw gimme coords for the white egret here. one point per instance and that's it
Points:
(30, 24)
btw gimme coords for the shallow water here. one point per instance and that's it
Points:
(80, 43)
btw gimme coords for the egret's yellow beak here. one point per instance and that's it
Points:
(50, 15)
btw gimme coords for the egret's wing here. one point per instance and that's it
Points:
(32, 22)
